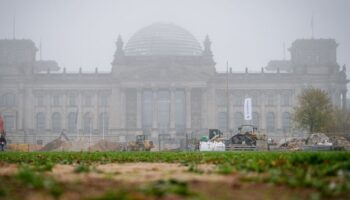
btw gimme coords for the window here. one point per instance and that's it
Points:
(180, 110)
(103, 100)
(256, 119)
(237, 100)
(87, 123)
(103, 123)
(88, 100)
(270, 99)
(40, 100)
(254, 100)
(147, 109)
(72, 121)
(9, 99)
(131, 108)
(221, 98)
(56, 122)
(222, 120)
(163, 109)
(270, 122)
(72, 100)
(10, 123)
(286, 122)
(238, 119)
(56, 100)
(285, 100)
(40, 121)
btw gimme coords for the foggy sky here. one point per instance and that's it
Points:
(247, 33)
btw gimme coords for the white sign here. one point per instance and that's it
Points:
(248, 109)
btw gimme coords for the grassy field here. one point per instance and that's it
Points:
(175, 175)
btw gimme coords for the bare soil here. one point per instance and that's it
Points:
(204, 183)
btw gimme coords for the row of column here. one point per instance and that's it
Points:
(139, 105)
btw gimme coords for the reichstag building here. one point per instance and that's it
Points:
(162, 81)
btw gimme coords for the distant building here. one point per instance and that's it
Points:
(161, 82)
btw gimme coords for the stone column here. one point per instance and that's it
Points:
(204, 112)
(262, 111)
(122, 108)
(344, 100)
(172, 108)
(188, 108)
(139, 108)
(230, 112)
(278, 114)
(155, 109)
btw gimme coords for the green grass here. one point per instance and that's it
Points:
(327, 172)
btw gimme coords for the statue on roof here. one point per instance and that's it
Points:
(207, 46)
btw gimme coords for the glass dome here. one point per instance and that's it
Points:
(163, 39)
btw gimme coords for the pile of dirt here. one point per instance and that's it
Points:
(317, 138)
(340, 141)
(104, 145)
(61, 144)
(53, 145)
(292, 144)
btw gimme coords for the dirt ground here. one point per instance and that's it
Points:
(132, 178)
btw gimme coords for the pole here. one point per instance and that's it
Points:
(103, 123)
(90, 133)
(14, 27)
(227, 100)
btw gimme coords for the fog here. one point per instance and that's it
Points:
(249, 33)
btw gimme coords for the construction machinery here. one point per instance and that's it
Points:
(247, 139)
(140, 144)
(247, 134)
(214, 143)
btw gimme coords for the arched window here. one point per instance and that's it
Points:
(40, 121)
(56, 122)
(238, 119)
(72, 122)
(270, 122)
(103, 123)
(286, 122)
(87, 123)
(256, 119)
(222, 120)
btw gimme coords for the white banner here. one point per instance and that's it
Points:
(248, 109)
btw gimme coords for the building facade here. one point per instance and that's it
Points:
(162, 82)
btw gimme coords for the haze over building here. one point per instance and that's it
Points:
(162, 81)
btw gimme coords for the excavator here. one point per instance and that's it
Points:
(140, 144)
(247, 134)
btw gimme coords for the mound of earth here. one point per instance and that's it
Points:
(53, 145)
(105, 145)
(340, 141)
(292, 144)
(60, 144)
(317, 138)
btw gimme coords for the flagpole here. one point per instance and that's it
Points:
(227, 100)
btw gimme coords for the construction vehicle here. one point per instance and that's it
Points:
(215, 142)
(247, 139)
(141, 144)
(247, 134)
